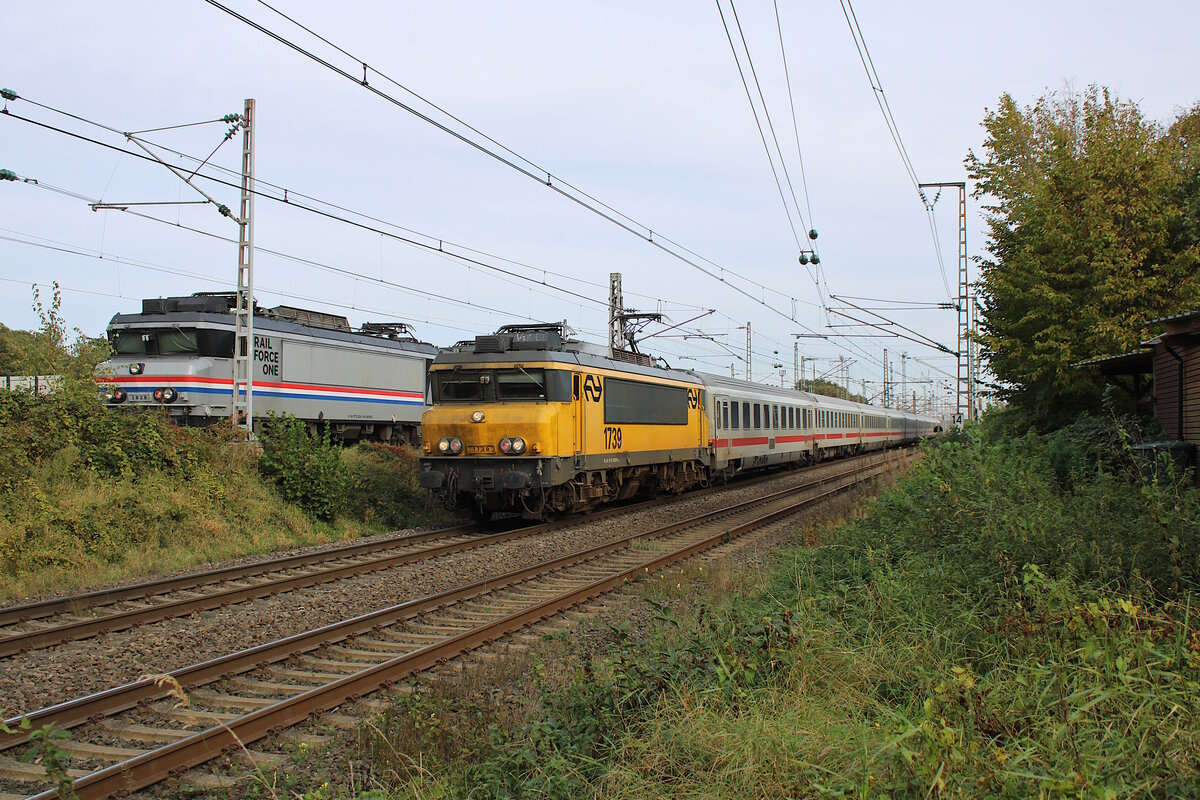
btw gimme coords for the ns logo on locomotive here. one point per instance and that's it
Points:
(177, 355)
(529, 421)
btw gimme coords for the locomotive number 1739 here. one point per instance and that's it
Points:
(612, 438)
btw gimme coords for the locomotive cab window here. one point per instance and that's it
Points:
(507, 383)
(521, 384)
(462, 384)
(172, 341)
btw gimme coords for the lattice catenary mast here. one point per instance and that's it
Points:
(966, 378)
(243, 313)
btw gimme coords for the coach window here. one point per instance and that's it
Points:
(757, 416)
(745, 415)
(725, 414)
(775, 417)
(737, 423)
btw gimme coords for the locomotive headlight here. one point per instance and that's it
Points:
(477, 416)
(158, 395)
(137, 369)
(169, 395)
(456, 445)
(443, 445)
(116, 396)
(514, 446)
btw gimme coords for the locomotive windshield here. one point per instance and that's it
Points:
(508, 383)
(171, 342)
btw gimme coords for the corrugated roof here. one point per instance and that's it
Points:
(1174, 318)
(1137, 361)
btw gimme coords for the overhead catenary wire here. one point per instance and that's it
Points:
(429, 246)
(307, 261)
(885, 108)
(526, 166)
(289, 196)
(75, 250)
(795, 125)
(357, 276)
(758, 122)
(440, 246)
(722, 277)
(864, 55)
(294, 258)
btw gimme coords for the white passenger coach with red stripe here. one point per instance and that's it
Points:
(178, 355)
(753, 426)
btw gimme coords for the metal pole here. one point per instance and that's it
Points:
(243, 354)
(796, 362)
(964, 386)
(886, 403)
(616, 322)
(748, 351)
(964, 313)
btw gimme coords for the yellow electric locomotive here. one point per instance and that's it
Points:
(528, 421)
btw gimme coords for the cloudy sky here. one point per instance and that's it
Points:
(638, 109)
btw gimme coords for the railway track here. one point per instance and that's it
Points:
(32, 626)
(138, 734)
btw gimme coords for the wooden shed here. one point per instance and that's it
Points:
(1176, 369)
(1163, 378)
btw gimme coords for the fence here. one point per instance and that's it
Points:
(38, 384)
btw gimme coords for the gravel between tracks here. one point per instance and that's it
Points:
(37, 679)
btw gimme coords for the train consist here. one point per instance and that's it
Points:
(529, 421)
(178, 355)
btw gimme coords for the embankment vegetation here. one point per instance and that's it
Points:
(89, 494)
(1017, 618)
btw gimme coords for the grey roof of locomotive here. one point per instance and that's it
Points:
(262, 323)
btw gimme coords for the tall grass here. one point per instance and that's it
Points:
(1016, 619)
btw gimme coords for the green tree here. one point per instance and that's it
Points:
(1093, 216)
(49, 350)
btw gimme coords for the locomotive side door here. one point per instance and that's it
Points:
(578, 404)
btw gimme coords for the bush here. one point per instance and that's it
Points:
(383, 489)
(306, 470)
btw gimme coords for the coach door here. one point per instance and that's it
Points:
(724, 433)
